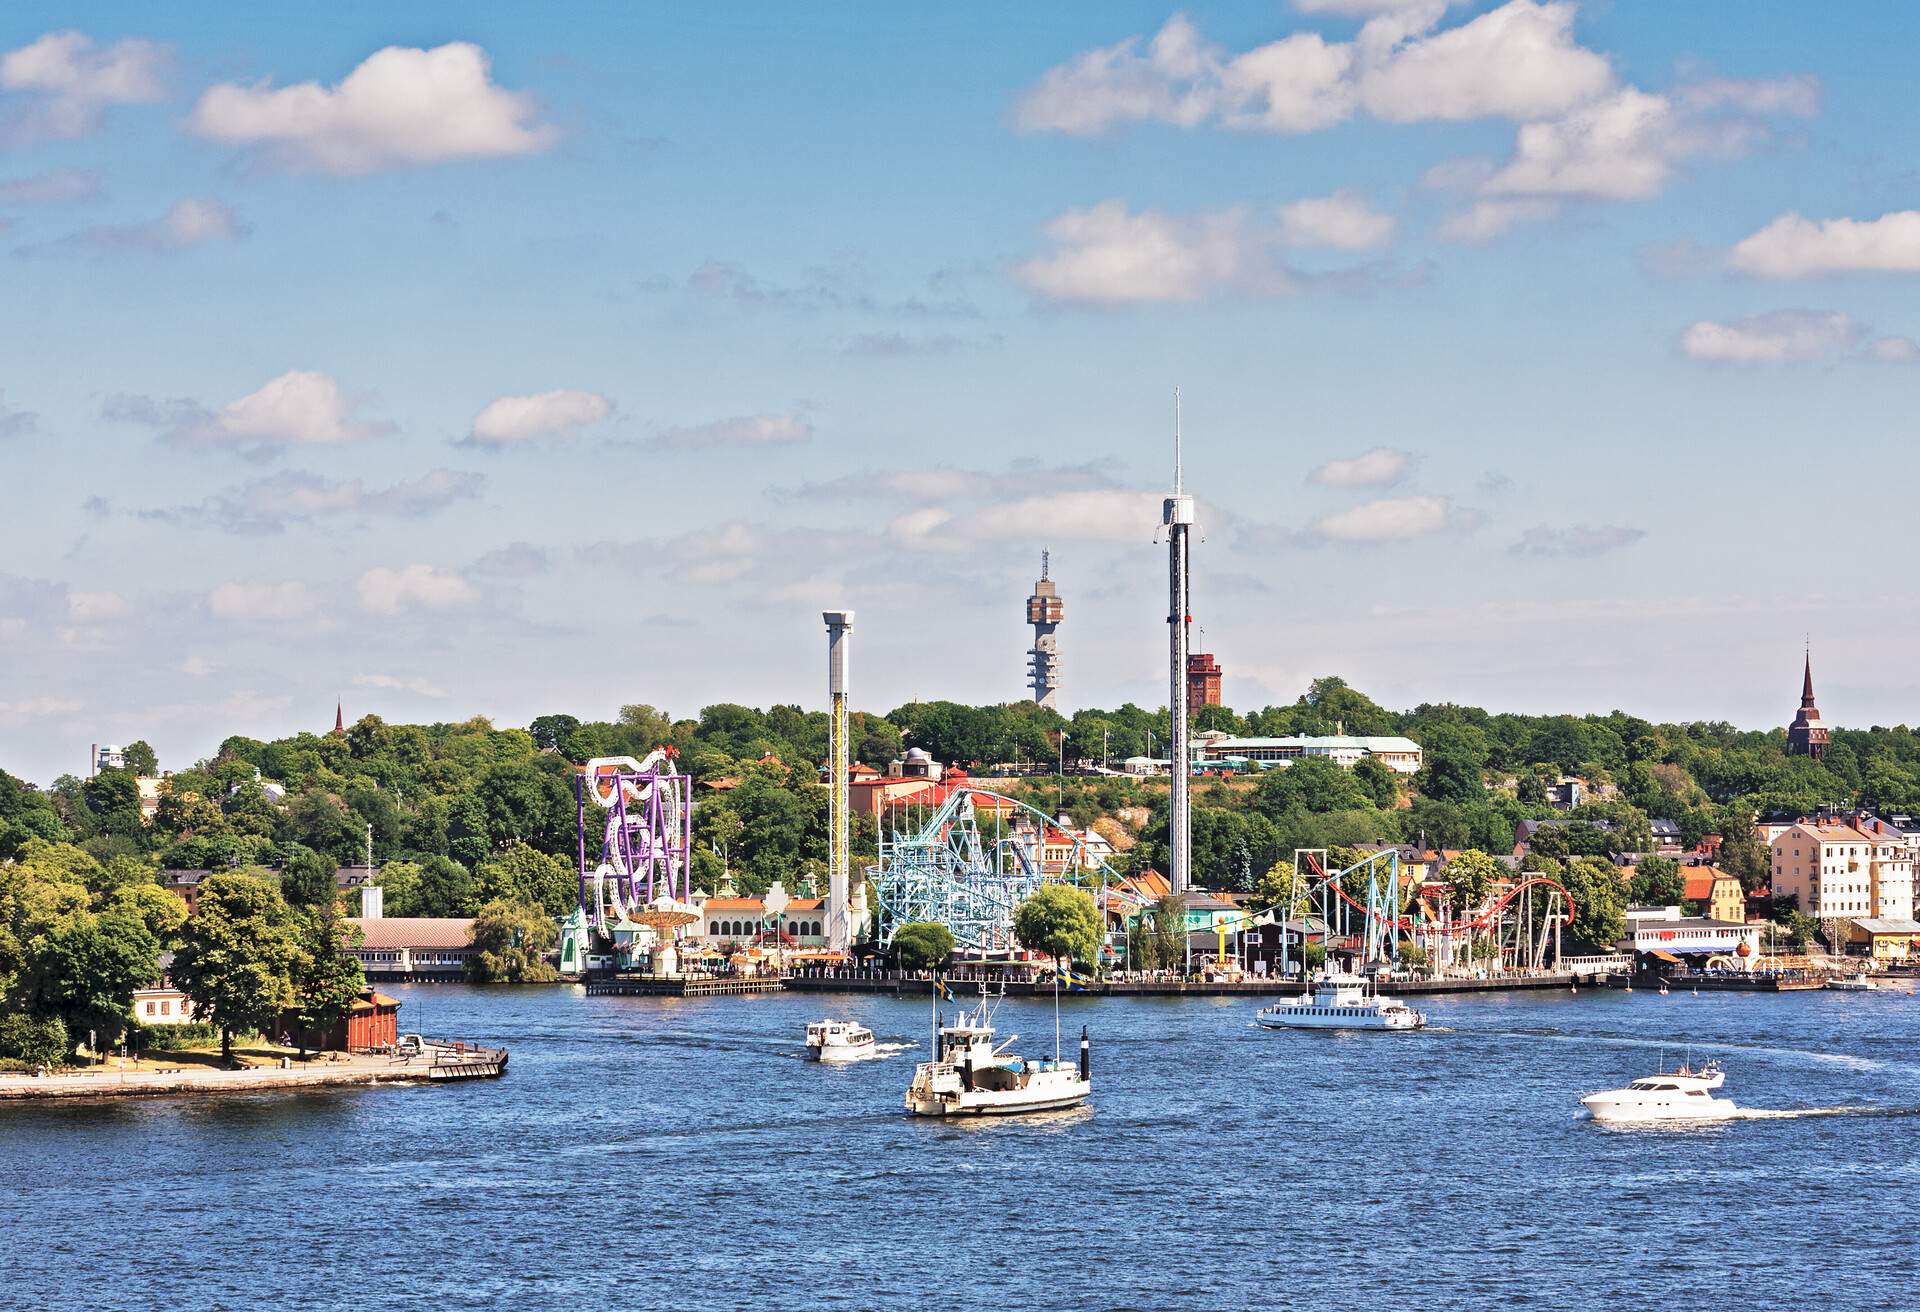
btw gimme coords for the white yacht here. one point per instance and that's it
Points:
(971, 1075)
(838, 1040)
(1341, 1002)
(1855, 983)
(1682, 1095)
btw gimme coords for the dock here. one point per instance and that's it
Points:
(899, 985)
(441, 1061)
(680, 986)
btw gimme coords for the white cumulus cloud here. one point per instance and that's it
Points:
(68, 80)
(508, 420)
(1519, 61)
(1779, 337)
(1793, 246)
(1390, 519)
(401, 106)
(300, 407)
(1342, 221)
(1895, 350)
(741, 431)
(386, 591)
(1372, 468)
(1107, 255)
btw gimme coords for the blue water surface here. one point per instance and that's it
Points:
(651, 1153)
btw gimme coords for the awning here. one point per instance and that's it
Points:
(1664, 956)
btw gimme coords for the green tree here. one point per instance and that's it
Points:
(307, 880)
(512, 940)
(1599, 901)
(444, 888)
(1455, 759)
(1471, 875)
(1170, 931)
(1062, 921)
(922, 945)
(1657, 882)
(1313, 784)
(84, 974)
(236, 955)
(1412, 955)
(37, 1040)
(523, 874)
(140, 759)
(160, 911)
(325, 979)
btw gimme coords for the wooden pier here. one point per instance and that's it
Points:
(680, 986)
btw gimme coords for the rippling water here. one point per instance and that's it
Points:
(652, 1152)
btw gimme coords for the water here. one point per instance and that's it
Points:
(664, 1152)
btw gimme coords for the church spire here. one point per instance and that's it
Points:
(1806, 686)
(1807, 735)
(340, 720)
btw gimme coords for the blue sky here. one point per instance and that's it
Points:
(498, 360)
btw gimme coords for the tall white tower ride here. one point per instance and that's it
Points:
(839, 653)
(1177, 516)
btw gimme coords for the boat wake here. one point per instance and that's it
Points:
(878, 1052)
(1796, 1113)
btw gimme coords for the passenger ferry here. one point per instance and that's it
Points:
(838, 1040)
(971, 1075)
(1341, 1002)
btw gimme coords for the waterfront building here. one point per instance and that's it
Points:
(163, 1004)
(1834, 869)
(1718, 890)
(1885, 940)
(414, 947)
(1807, 735)
(1401, 755)
(1663, 935)
(372, 1025)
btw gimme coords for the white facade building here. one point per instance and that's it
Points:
(1839, 871)
(1401, 755)
(1695, 936)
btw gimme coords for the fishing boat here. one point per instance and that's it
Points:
(1341, 1002)
(838, 1040)
(972, 1075)
(1666, 1096)
(1858, 982)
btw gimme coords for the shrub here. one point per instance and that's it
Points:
(32, 1040)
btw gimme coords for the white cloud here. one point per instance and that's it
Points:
(1780, 337)
(1108, 256)
(418, 687)
(916, 528)
(300, 407)
(92, 607)
(1343, 221)
(387, 591)
(190, 221)
(1578, 541)
(1369, 469)
(1793, 246)
(1390, 519)
(1519, 61)
(741, 431)
(262, 601)
(1797, 94)
(37, 708)
(1620, 148)
(510, 419)
(1368, 8)
(271, 504)
(1092, 515)
(69, 80)
(1895, 350)
(401, 106)
(1486, 219)
(197, 666)
(56, 188)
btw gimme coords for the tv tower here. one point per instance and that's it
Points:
(1177, 516)
(1044, 612)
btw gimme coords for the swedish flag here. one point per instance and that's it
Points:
(945, 992)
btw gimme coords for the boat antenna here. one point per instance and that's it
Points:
(1056, 1014)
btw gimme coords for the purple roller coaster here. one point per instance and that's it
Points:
(647, 841)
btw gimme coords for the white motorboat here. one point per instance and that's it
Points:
(838, 1040)
(1341, 1002)
(971, 1075)
(1668, 1096)
(1855, 983)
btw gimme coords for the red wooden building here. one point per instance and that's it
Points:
(373, 1024)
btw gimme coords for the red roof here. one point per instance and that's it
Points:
(415, 931)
